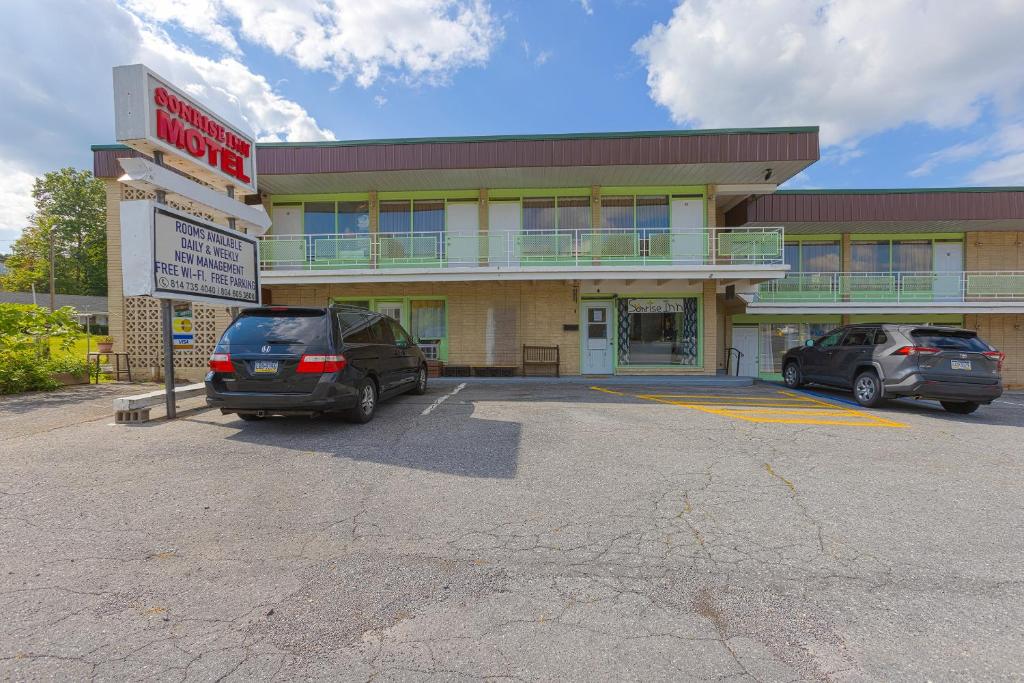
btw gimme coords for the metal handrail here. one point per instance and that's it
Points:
(894, 287)
(504, 248)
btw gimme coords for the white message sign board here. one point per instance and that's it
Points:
(169, 254)
(151, 115)
(656, 306)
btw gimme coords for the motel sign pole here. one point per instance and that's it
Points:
(166, 321)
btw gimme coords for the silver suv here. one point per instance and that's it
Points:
(947, 364)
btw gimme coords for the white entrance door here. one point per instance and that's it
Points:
(504, 224)
(686, 218)
(745, 341)
(948, 260)
(463, 229)
(597, 338)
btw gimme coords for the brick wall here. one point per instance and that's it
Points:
(488, 322)
(994, 251)
(1006, 333)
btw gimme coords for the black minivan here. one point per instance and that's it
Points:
(285, 360)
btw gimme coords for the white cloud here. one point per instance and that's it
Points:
(415, 40)
(1007, 170)
(587, 7)
(58, 99)
(200, 17)
(998, 158)
(855, 68)
(15, 203)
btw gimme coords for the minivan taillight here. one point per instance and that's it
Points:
(997, 356)
(319, 364)
(221, 362)
(916, 351)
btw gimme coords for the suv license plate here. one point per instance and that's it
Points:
(960, 364)
(265, 367)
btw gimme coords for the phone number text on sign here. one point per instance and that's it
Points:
(190, 257)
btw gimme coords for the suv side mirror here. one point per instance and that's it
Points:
(809, 343)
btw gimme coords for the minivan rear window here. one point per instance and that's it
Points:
(298, 326)
(953, 340)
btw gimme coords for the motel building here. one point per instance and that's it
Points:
(668, 253)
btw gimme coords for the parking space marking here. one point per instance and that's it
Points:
(784, 408)
(429, 409)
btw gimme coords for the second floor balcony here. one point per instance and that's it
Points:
(934, 291)
(738, 253)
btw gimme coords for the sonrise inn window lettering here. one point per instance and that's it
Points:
(658, 331)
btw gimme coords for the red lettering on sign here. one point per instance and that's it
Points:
(195, 143)
(213, 147)
(170, 130)
(231, 164)
(187, 127)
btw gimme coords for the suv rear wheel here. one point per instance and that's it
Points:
(867, 389)
(792, 376)
(366, 403)
(964, 408)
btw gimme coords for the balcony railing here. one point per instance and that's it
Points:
(525, 248)
(896, 288)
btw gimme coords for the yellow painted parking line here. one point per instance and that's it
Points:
(784, 408)
(792, 411)
(887, 422)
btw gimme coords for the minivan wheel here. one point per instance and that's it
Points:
(960, 408)
(791, 376)
(421, 382)
(867, 389)
(366, 403)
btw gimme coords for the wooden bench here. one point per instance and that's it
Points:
(134, 409)
(541, 357)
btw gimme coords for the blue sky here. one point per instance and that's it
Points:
(908, 93)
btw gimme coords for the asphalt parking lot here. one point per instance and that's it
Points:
(516, 530)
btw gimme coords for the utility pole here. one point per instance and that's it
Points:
(53, 291)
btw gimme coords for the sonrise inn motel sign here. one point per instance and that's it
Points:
(185, 126)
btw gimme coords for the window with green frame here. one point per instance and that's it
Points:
(348, 217)
(411, 216)
(556, 213)
(648, 212)
(813, 256)
(890, 255)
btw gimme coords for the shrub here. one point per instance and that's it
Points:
(23, 326)
(22, 370)
(72, 365)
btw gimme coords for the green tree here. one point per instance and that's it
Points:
(71, 204)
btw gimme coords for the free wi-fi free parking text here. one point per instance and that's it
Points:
(198, 259)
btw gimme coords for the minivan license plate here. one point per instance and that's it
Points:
(265, 367)
(960, 364)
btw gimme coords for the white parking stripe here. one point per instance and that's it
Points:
(429, 409)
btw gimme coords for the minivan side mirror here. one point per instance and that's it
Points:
(401, 343)
(809, 343)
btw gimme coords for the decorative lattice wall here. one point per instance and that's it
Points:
(142, 337)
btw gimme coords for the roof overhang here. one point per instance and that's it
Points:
(885, 211)
(654, 175)
(740, 158)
